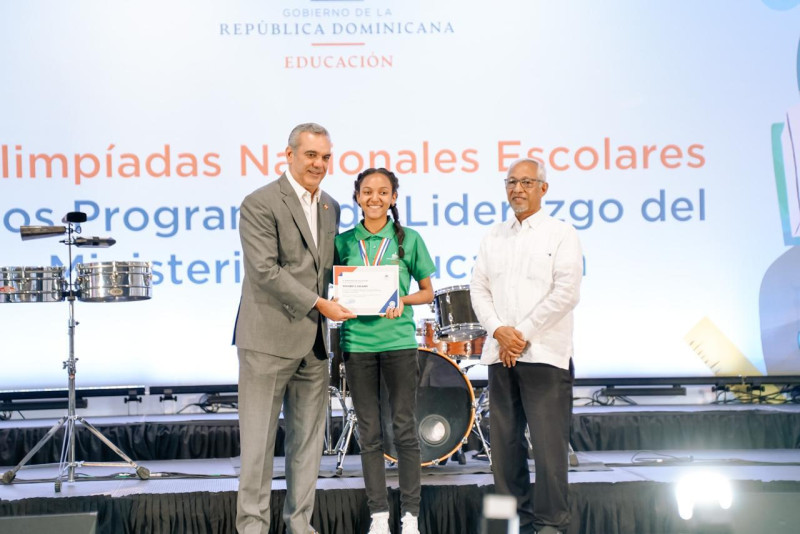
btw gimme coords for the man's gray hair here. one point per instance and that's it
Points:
(310, 127)
(541, 172)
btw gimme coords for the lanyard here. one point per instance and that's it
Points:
(362, 248)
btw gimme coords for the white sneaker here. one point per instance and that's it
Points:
(380, 523)
(410, 524)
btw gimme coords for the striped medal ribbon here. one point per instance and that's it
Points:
(362, 248)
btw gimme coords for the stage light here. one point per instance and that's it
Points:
(499, 515)
(702, 488)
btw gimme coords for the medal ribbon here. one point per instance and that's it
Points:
(362, 248)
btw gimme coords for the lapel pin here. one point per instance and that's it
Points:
(324, 206)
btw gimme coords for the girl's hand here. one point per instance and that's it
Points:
(394, 313)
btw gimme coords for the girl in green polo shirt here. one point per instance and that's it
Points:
(385, 346)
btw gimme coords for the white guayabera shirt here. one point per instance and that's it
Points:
(528, 275)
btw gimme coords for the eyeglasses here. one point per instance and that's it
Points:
(527, 183)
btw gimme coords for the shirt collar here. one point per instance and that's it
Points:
(302, 191)
(386, 231)
(531, 222)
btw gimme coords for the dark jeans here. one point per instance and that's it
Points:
(540, 395)
(399, 370)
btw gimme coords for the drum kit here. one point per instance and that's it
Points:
(113, 281)
(447, 410)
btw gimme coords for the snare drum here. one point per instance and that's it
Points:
(114, 281)
(32, 284)
(454, 313)
(459, 350)
(428, 338)
(445, 409)
(466, 350)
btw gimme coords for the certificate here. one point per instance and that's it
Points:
(367, 289)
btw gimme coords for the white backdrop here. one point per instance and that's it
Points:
(656, 120)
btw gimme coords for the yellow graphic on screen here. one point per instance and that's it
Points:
(725, 359)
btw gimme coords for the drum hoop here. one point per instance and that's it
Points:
(464, 329)
(450, 289)
(454, 364)
(471, 410)
(46, 269)
(101, 286)
(29, 292)
(113, 264)
(462, 326)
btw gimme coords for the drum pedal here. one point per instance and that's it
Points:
(481, 456)
(573, 458)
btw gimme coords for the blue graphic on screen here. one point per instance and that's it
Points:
(779, 297)
(781, 5)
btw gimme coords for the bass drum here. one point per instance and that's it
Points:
(445, 409)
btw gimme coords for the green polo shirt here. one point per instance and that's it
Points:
(372, 333)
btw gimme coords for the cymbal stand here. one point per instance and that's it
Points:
(327, 451)
(480, 404)
(334, 363)
(67, 463)
(330, 449)
(349, 421)
(348, 430)
(334, 359)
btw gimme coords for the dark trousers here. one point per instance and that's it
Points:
(540, 395)
(399, 370)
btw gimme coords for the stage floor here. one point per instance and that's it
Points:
(612, 491)
(217, 475)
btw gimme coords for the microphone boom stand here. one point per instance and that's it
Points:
(67, 463)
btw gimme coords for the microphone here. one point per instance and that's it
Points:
(95, 242)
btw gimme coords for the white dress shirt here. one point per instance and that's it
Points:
(528, 275)
(310, 203)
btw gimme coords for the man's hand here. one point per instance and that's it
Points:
(510, 339)
(333, 310)
(508, 359)
(512, 345)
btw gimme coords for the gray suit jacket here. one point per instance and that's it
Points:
(284, 271)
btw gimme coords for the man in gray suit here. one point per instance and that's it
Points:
(287, 229)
